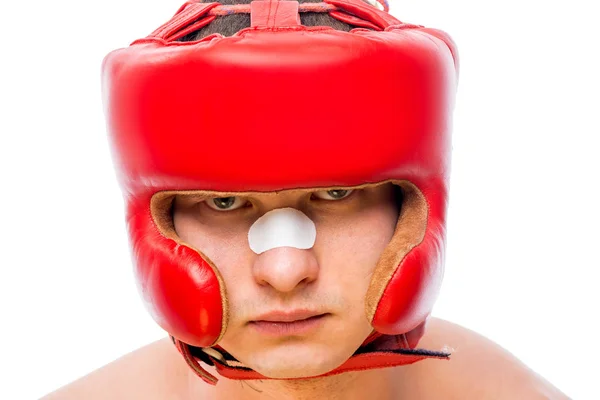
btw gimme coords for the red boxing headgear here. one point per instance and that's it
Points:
(386, 92)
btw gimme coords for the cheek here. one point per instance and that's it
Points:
(224, 244)
(215, 240)
(349, 252)
(353, 246)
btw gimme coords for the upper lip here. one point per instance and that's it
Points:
(287, 316)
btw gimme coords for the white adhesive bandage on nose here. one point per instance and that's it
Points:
(283, 227)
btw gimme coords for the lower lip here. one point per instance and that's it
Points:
(301, 327)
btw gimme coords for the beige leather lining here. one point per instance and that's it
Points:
(409, 232)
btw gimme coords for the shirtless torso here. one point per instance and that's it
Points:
(478, 369)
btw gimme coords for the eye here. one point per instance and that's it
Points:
(335, 194)
(225, 203)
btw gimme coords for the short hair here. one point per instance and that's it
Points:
(229, 25)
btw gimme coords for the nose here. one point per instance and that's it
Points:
(285, 268)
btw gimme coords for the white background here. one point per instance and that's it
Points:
(522, 265)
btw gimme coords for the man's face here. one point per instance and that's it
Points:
(330, 279)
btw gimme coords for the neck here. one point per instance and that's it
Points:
(374, 384)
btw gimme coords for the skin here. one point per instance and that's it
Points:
(331, 278)
(352, 231)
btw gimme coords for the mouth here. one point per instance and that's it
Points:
(292, 327)
(288, 316)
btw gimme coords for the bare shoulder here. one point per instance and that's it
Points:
(154, 371)
(478, 368)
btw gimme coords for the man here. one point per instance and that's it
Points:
(286, 238)
(478, 369)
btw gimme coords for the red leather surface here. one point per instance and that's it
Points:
(270, 109)
(181, 20)
(355, 21)
(382, 352)
(413, 289)
(356, 363)
(237, 104)
(367, 12)
(179, 288)
(274, 13)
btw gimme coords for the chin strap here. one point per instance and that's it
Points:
(378, 351)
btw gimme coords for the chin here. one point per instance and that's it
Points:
(296, 361)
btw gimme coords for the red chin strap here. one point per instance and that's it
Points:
(378, 351)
